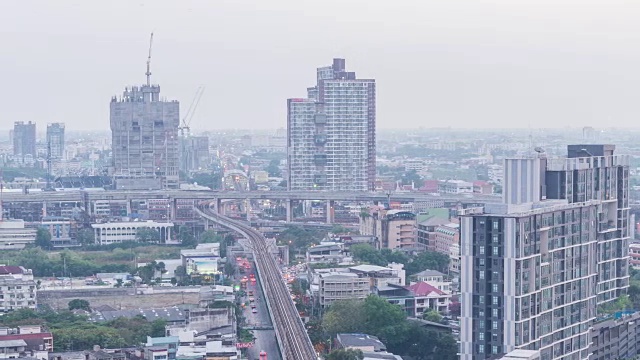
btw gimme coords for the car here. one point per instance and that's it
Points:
(254, 310)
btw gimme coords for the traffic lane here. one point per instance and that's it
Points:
(265, 339)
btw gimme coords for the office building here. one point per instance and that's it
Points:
(55, 140)
(144, 135)
(24, 141)
(535, 268)
(117, 232)
(331, 140)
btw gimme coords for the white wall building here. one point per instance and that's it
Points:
(117, 232)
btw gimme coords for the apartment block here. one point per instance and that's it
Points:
(55, 140)
(24, 142)
(17, 289)
(395, 229)
(536, 267)
(331, 143)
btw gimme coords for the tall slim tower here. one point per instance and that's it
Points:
(332, 133)
(24, 140)
(535, 269)
(144, 133)
(55, 139)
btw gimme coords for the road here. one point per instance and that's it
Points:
(293, 340)
(265, 339)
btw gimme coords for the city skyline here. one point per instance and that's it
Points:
(557, 65)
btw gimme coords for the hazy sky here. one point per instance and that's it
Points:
(458, 63)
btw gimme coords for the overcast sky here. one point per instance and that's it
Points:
(458, 63)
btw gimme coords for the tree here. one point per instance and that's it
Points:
(158, 328)
(79, 304)
(346, 316)
(209, 237)
(432, 316)
(85, 237)
(43, 239)
(274, 168)
(186, 237)
(428, 260)
(345, 354)
(119, 283)
(147, 235)
(367, 253)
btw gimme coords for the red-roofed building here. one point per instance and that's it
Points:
(38, 343)
(482, 187)
(428, 297)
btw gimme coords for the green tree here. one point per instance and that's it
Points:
(186, 237)
(345, 354)
(274, 168)
(432, 315)
(43, 239)
(209, 237)
(428, 260)
(147, 235)
(158, 328)
(368, 254)
(79, 304)
(85, 237)
(346, 316)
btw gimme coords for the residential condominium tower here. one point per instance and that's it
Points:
(24, 140)
(145, 144)
(331, 134)
(535, 269)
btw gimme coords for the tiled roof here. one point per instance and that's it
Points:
(9, 269)
(423, 289)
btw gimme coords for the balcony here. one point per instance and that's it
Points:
(320, 139)
(320, 118)
(320, 159)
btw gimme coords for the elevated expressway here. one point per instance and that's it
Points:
(291, 334)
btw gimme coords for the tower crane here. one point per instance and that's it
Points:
(148, 73)
(184, 128)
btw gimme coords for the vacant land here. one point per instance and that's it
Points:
(127, 302)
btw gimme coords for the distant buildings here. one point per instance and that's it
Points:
(26, 341)
(24, 142)
(332, 133)
(395, 229)
(145, 145)
(55, 140)
(14, 235)
(194, 154)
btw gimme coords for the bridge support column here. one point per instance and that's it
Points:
(247, 208)
(288, 204)
(219, 207)
(329, 211)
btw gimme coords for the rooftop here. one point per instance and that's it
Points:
(12, 343)
(361, 340)
(424, 289)
(428, 273)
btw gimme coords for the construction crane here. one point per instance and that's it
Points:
(148, 73)
(184, 128)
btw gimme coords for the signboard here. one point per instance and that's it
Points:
(244, 345)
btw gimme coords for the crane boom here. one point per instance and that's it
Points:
(186, 120)
(148, 73)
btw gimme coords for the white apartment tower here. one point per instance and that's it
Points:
(331, 133)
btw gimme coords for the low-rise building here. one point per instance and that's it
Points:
(520, 354)
(634, 254)
(428, 297)
(447, 242)
(455, 187)
(325, 253)
(34, 342)
(17, 289)
(434, 278)
(394, 229)
(161, 348)
(334, 286)
(63, 230)
(362, 342)
(14, 235)
(118, 232)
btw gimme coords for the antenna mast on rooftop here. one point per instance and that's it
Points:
(148, 73)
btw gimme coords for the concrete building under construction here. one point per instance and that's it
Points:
(145, 144)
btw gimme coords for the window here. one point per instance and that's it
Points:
(481, 275)
(481, 336)
(481, 250)
(481, 313)
(494, 325)
(481, 299)
(494, 300)
(494, 288)
(495, 225)
(481, 349)
(495, 238)
(494, 313)
(495, 251)
(481, 261)
(495, 349)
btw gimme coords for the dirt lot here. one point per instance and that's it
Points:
(128, 302)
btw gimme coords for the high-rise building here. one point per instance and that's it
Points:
(331, 134)
(194, 153)
(144, 133)
(24, 140)
(535, 268)
(55, 139)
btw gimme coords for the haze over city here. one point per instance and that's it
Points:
(459, 63)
